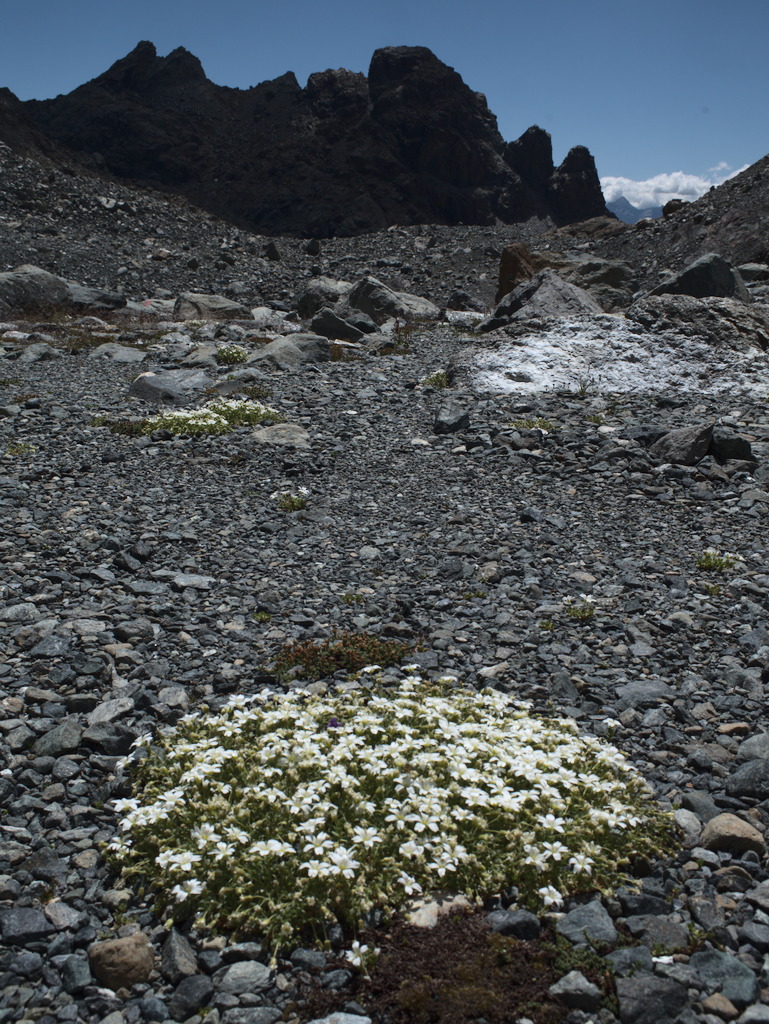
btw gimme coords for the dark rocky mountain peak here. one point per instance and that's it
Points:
(410, 143)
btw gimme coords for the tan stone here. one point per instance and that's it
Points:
(120, 963)
(721, 1006)
(730, 833)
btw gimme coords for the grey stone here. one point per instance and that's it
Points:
(168, 388)
(20, 926)
(321, 291)
(117, 353)
(576, 992)
(685, 447)
(62, 739)
(328, 324)
(342, 1018)
(709, 275)
(289, 434)
(588, 923)
(245, 976)
(308, 958)
(45, 864)
(39, 352)
(177, 958)
(379, 302)
(192, 580)
(292, 352)
(628, 960)
(29, 289)
(519, 923)
(75, 974)
(251, 1015)
(657, 931)
(190, 995)
(726, 445)
(450, 418)
(750, 779)
(24, 612)
(754, 748)
(200, 306)
(85, 297)
(646, 999)
(153, 1009)
(721, 972)
(109, 737)
(545, 295)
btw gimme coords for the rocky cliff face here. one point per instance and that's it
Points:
(410, 143)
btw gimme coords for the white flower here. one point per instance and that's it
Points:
(344, 862)
(409, 884)
(550, 896)
(189, 887)
(357, 954)
(580, 863)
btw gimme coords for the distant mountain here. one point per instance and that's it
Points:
(629, 214)
(410, 143)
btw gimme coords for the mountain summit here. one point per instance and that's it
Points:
(410, 143)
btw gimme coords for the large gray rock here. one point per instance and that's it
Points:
(329, 325)
(721, 321)
(721, 972)
(612, 284)
(83, 296)
(545, 295)
(684, 447)
(708, 275)
(750, 779)
(171, 387)
(646, 999)
(291, 352)
(30, 289)
(588, 923)
(199, 306)
(117, 353)
(381, 303)
(321, 291)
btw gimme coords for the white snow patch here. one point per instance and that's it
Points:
(610, 354)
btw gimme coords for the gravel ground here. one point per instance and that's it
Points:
(133, 569)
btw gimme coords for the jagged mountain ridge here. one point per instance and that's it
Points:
(410, 143)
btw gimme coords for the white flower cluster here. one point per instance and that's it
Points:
(216, 417)
(288, 809)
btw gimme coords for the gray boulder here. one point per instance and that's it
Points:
(726, 445)
(381, 303)
(611, 283)
(199, 306)
(588, 923)
(721, 972)
(38, 352)
(291, 352)
(117, 353)
(30, 289)
(545, 295)
(321, 291)
(168, 388)
(685, 447)
(84, 297)
(722, 321)
(709, 275)
(329, 325)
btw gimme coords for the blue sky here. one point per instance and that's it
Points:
(671, 94)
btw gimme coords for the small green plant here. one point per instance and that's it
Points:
(547, 625)
(231, 355)
(438, 380)
(472, 595)
(261, 616)
(291, 501)
(596, 417)
(533, 423)
(10, 382)
(350, 652)
(217, 417)
(128, 428)
(283, 811)
(20, 448)
(712, 560)
(582, 608)
(351, 599)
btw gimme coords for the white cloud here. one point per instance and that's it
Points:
(658, 190)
